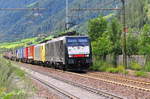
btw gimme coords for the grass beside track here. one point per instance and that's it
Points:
(9, 89)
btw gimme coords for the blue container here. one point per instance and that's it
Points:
(20, 53)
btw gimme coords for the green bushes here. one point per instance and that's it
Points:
(100, 65)
(112, 70)
(106, 67)
(147, 67)
(140, 74)
(8, 89)
(135, 66)
(19, 73)
(139, 70)
(17, 94)
(5, 74)
(119, 69)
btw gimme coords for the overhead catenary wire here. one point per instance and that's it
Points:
(78, 12)
(7, 9)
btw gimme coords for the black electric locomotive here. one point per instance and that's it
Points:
(69, 52)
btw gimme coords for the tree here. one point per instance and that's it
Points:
(115, 31)
(145, 42)
(102, 46)
(132, 44)
(136, 13)
(96, 27)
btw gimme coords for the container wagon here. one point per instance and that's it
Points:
(25, 54)
(42, 53)
(31, 54)
(37, 54)
(19, 54)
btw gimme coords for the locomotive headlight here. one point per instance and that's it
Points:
(87, 55)
(70, 55)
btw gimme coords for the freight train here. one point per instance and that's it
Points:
(66, 52)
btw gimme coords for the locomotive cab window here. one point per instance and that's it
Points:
(78, 41)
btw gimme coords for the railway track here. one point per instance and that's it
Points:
(51, 86)
(121, 78)
(96, 91)
(107, 78)
(102, 94)
(100, 78)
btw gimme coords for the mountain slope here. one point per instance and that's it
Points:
(138, 12)
(15, 25)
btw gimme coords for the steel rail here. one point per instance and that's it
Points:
(121, 78)
(106, 80)
(90, 89)
(50, 86)
(109, 81)
(114, 82)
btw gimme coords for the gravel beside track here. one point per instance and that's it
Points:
(129, 82)
(43, 92)
(66, 88)
(50, 87)
(129, 77)
(119, 90)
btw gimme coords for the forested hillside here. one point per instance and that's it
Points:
(138, 13)
(16, 25)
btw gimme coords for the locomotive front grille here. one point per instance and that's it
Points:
(79, 61)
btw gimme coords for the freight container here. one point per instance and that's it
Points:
(31, 52)
(42, 52)
(37, 53)
(25, 54)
